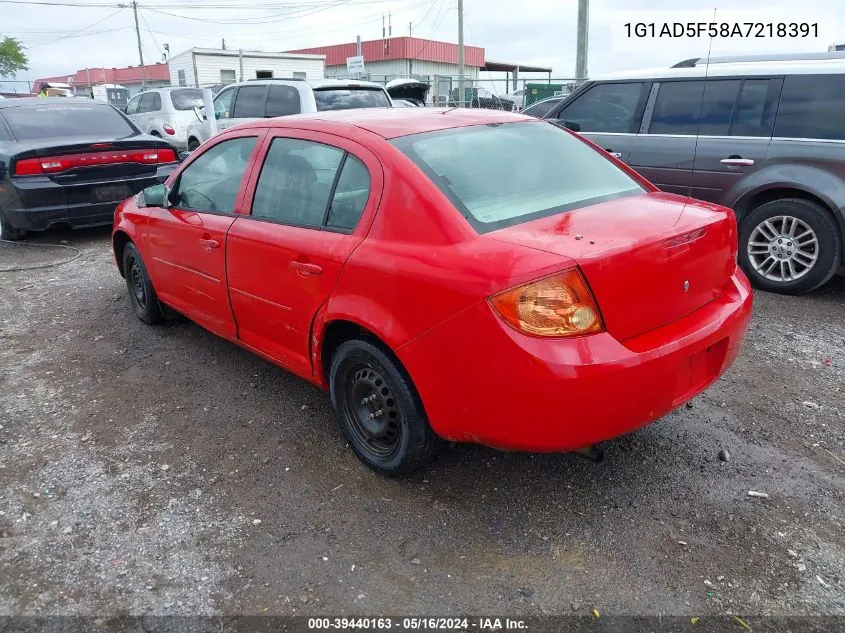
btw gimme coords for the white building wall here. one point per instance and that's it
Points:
(399, 67)
(209, 63)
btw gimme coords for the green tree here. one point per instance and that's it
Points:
(12, 57)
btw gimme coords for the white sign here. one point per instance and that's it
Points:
(355, 64)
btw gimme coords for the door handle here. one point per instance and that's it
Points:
(736, 161)
(614, 154)
(306, 269)
(209, 244)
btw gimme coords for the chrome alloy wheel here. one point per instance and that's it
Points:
(783, 248)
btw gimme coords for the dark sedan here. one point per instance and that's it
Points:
(69, 161)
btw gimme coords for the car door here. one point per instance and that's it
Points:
(145, 107)
(607, 113)
(313, 201)
(250, 104)
(187, 239)
(664, 151)
(733, 147)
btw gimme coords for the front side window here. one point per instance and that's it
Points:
(347, 99)
(282, 101)
(812, 106)
(223, 104)
(212, 181)
(605, 108)
(506, 174)
(250, 102)
(296, 182)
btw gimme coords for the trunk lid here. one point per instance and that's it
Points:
(649, 259)
(107, 162)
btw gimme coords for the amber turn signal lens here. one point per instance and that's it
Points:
(560, 305)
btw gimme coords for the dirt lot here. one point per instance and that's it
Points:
(163, 470)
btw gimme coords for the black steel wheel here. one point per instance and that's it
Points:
(379, 411)
(142, 295)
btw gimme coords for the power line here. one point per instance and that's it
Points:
(80, 32)
(150, 31)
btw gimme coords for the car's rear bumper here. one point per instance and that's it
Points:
(38, 202)
(481, 381)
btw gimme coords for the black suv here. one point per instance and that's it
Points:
(762, 135)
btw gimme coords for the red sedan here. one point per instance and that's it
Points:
(464, 275)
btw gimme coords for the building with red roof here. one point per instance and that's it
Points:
(131, 77)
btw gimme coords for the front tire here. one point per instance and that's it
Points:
(193, 144)
(142, 295)
(789, 246)
(379, 410)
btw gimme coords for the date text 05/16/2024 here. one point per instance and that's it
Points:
(417, 624)
(747, 30)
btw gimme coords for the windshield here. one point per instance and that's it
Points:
(186, 99)
(349, 98)
(504, 174)
(65, 121)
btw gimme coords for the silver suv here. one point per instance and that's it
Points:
(764, 135)
(165, 112)
(264, 98)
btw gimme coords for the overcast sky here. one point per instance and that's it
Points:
(60, 40)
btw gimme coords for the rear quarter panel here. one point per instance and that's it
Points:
(421, 263)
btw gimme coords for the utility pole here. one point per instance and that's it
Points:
(140, 49)
(461, 95)
(583, 33)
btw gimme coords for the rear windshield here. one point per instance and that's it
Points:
(347, 99)
(504, 174)
(186, 99)
(38, 122)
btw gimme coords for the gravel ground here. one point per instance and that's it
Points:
(163, 470)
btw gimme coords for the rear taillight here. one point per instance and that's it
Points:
(56, 164)
(168, 129)
(28, 167)
(557, 306)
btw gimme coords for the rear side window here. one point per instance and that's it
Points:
(605, 108)
(347, 99)
(754, 112)
(63, 121)
(812, 106)
(511, 173)
(186, 99)
(250, 102)
(350, 195)
(296, 182)
(156, 102)
(282, 101)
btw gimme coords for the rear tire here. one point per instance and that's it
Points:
(142, 295)
(8, 232)
(379, 410)
(790, 246)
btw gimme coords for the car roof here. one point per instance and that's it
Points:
(315, 84)
(30, 101)
(702, 69)
(391, 122)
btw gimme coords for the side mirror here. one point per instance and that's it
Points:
(199, 112)
(155, 196)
